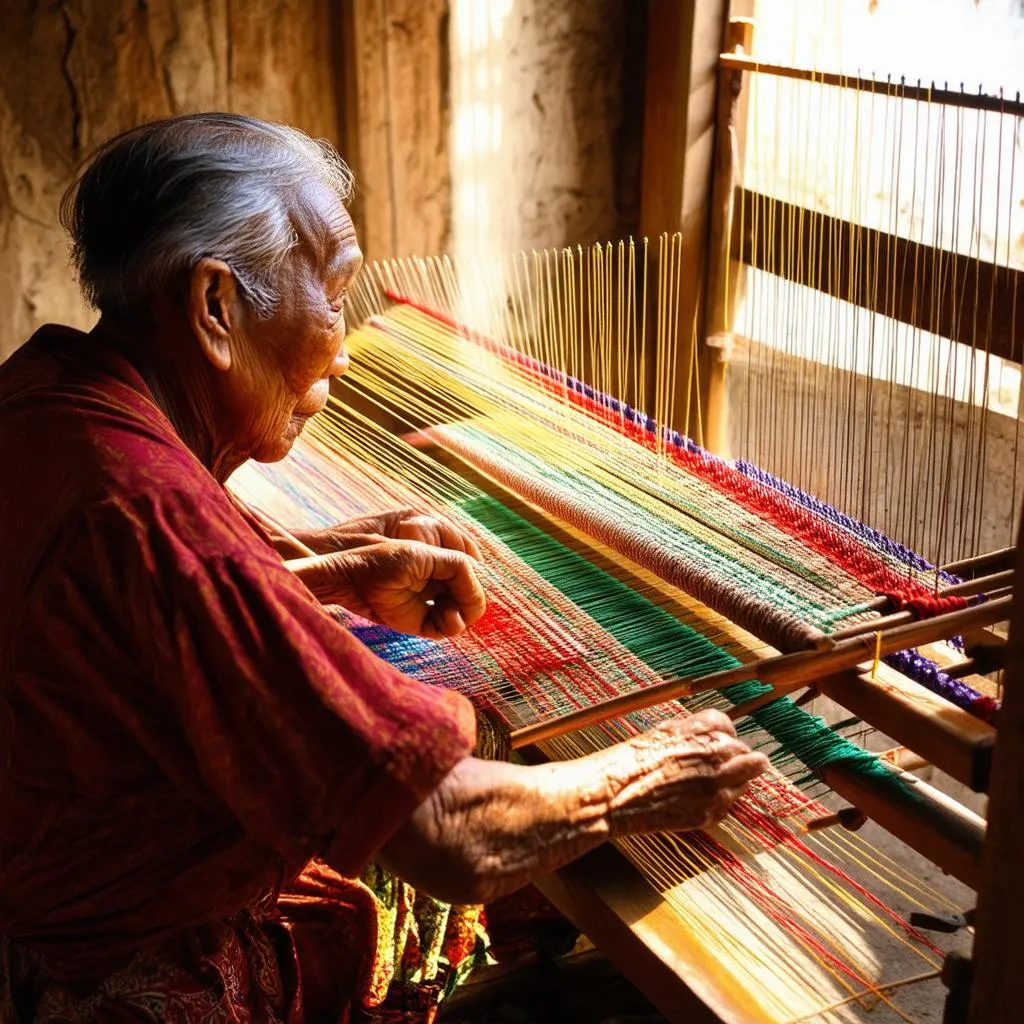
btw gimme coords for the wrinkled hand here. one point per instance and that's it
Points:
(685, 773)
(400, 524)
(406, 585)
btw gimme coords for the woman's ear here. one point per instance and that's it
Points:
(212, 309)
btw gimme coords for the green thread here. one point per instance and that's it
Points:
(580, 487)
(844, 613)
(666, 645)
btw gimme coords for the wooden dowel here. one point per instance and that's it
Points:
(948, 737)
(879, 604)
(898, 90)
(305, 550)
(967, 667)
(935, 825)
(994, 586)
(851, 818)
(897, 618)
(784, 670)
(1001, 559)
(985, 658)
(755, 704)
(422, 440)
(885, 622)
(273, 526)
(980, 585)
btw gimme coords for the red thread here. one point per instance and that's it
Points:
(760, 822)
(788, 516)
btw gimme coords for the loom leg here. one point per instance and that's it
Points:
(997, 995)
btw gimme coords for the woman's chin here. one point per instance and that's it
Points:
(276, 450)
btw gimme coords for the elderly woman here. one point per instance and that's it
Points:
(197, 756)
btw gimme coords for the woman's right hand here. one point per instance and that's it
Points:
(685, 773)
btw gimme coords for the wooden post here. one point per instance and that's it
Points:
(396, 119)
(997, 989)
(684, 42)
(725, 274)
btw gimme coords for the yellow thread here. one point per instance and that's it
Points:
(412, 366)
(878, 653)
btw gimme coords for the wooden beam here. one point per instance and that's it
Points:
(948, 737)
(920, 93)
(998, 987)
(934, 824)
(607, 899)
(725, 278)
(681, 92)
(968, 300)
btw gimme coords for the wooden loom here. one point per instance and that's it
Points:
(348, 468)
(636, 923)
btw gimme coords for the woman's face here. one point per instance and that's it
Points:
(281, 366)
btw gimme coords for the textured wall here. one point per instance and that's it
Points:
(547, 102)
(397, 115)
(74, 73)
(398, 84)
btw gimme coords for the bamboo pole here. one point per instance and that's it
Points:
(921, 93)
(997, 585)
(1000, 559)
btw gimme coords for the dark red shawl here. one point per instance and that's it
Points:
(185, 728)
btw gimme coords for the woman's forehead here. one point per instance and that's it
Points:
(326, 229)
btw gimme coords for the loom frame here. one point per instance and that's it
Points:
(988, 989)
(610, 902)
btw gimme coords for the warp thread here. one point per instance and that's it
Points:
(811, 520)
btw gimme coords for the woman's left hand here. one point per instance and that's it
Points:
(408, 585)
(400, 524)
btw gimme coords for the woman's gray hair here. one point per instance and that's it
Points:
(153, 202)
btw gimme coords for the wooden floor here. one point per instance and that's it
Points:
(582, 988)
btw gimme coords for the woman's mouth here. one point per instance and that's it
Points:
(313, 401)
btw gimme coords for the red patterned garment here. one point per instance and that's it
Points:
(185, 729)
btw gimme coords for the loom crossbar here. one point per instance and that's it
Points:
(946, 736)
(786, 672)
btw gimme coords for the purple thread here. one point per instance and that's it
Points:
(931, 677)
(861, 530)
(912, 664)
